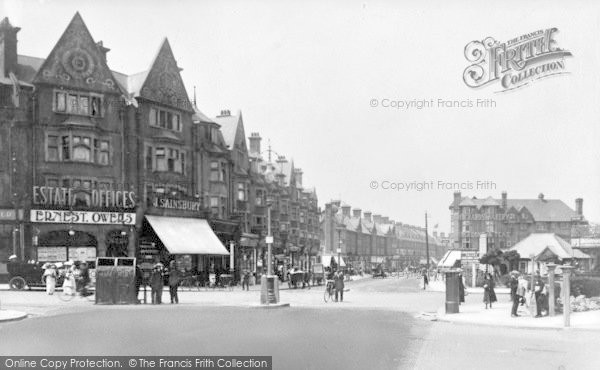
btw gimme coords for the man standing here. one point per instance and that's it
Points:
(425, 279)
(246, 280)
(339, 285)
(174, 279)
(156, 283)
(514, 285)
(538, 286)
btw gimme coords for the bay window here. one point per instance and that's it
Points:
(77, 103)
(165, 119)
(78, 148)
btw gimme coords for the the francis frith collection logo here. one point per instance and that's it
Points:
(516, 62)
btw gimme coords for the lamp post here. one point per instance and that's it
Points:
(269, 292)
(339, 248)
(566, 291)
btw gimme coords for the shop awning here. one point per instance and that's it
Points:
(186, 235)
(450, 259)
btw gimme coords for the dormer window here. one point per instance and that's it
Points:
(85, 104)
(165, 119)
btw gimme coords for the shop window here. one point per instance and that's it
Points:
(52, 148)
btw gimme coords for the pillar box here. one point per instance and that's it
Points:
(452, 295)
(566, 296)
(269, 292)
(551, 298)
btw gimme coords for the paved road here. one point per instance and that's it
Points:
(376, 328)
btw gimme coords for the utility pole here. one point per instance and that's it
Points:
(427, 241)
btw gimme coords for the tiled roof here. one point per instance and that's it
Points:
(131, 83)
(542, 210)
(229, 125)
(28, 67)
(201, 117)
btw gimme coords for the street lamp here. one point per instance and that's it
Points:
(269, 288)
(339, 248)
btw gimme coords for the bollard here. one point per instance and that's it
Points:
(567, 295)
(551, 299)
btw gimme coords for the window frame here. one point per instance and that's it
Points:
(72, 102)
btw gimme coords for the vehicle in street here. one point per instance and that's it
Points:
(318, 274)
(24, 274)
(329, 293)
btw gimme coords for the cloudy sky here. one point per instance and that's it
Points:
(307, 74)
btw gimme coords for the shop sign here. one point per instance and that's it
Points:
(82, 253)
(66, 197)
(180, 204)
(471, 255)
(52, 254)
(7, 215)
(82, 217)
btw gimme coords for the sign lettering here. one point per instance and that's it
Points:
(82, 217)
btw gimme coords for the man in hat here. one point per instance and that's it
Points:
(156, 283)
(538, 287)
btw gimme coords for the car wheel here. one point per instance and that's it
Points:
(17, 283)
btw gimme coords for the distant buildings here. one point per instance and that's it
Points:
(368, 240)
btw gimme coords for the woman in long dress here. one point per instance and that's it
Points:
(50, 277)
(489, 295)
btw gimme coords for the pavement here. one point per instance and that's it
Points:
(473, 311)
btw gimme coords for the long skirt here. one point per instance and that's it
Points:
(50, 284)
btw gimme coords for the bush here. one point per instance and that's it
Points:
(586, 285)
(504, 280)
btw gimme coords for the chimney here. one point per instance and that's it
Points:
(457, 199)
(356, 212)
(385, 220)
(103, 50)
(254, 140)
(504, 200)
(435, 234)
(377, 219)
(368, 216)
(225, 113)
(8, 48)
(298, 175)
(579, 206)
(337, 203)
(346, 210)
(541, 197)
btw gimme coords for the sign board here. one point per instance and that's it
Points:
(82, 217)
(82, 253)
(269, 240)
(52, 254)
(8, 215)
(469, 255)
(180, 204)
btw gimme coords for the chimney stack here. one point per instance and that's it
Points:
(103, 50)
(579, 206)
(368, 216)
(457, 199)
(541, 197)
(346, 210)
(225, 113)
(254, 140)
(298, 176)
(385, 220)
(377, 219)
(356, 212)
(504, 200)
(8, 48)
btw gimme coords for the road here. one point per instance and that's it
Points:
(376, 328)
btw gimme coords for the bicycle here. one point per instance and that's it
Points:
(87, 292)
(329, 293)
(189, 283)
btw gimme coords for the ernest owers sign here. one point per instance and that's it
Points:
(82, 217)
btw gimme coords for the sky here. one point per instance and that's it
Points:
(307, 76)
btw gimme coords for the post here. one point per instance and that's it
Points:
(269, 291)
(231, 257)
(566, 298)
(533, 305)
(427, 243)
(551, 299)
(269, 241)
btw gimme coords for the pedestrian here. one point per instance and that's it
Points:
(538, 287)
(139, 277)
(174, 280)
(461, 289)
(514, 296)
(246, 280)
(425, 279)
(69, 282)
(156, 283)
(339, 285)
(489, 295)
(50, 278)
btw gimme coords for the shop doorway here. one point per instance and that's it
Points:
(117, 243)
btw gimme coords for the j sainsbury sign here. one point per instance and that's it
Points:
(82, 217)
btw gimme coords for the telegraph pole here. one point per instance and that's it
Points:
(427, 241)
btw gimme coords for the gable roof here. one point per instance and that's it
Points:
(229, 126)
(77, 61)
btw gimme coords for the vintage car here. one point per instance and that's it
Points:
(30, 275)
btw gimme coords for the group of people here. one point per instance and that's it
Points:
(76, 277)
(157, 282)
(518, 291)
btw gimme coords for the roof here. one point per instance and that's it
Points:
(536, 243)
(198, 116)
(28, 67)
(229, 125)
(585, 242)
(131, 83)
(544, 210)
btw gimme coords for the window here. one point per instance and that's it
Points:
(66, 148)
(161, 159)
(259, 198)
(523, 226)
(77, 103)
(61, 101)
(466, 226)
(95, 109)
(173, 155)
(214, 171)
(489, 226)
(52, 148)
(72, 106)
(52, 182)
(81, 149)
(241, 191)
(182, 161)
(152, 118)
(165, 119)
(214, 201)
(466, 243)
(101, 151)
(541, 226)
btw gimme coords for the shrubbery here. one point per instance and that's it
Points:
(586, 285)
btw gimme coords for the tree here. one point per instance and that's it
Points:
(512, 259)
(493, 257)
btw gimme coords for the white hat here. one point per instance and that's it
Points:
(12, 257)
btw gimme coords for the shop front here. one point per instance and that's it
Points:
(80, 225)
(247, 255)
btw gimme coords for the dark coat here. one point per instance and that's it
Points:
(156, 279)
(489, 295)
(514, 285)
(339, 281)
(174, 277)
(461, 289)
